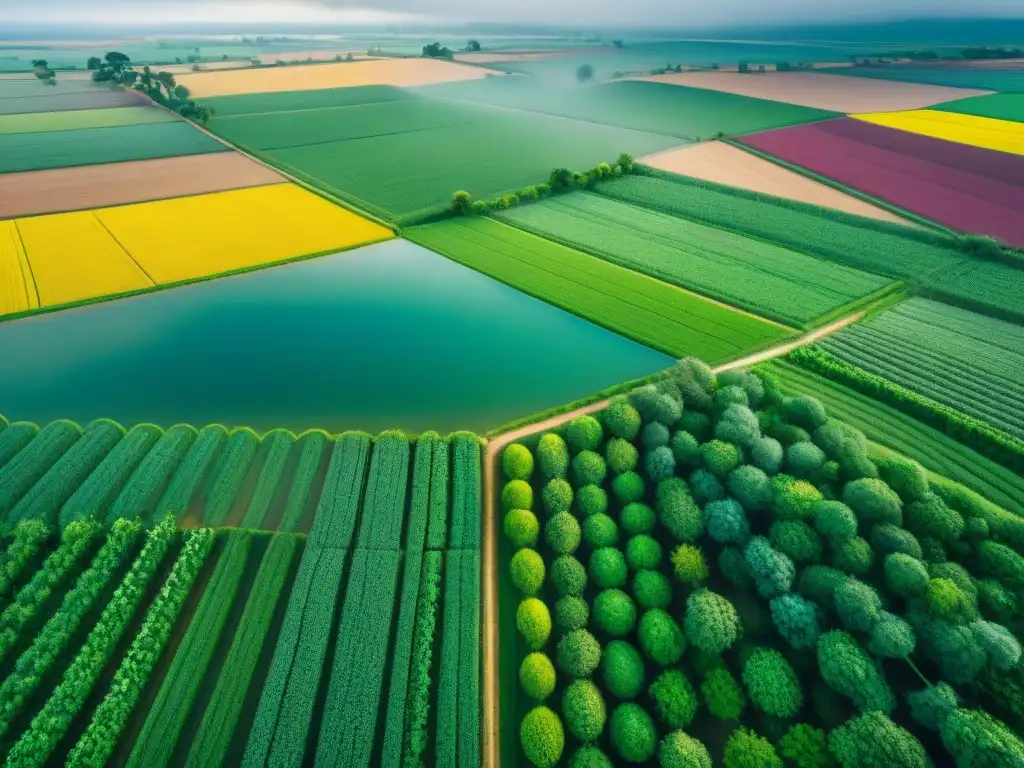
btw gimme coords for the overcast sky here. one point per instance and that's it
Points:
(674, 13)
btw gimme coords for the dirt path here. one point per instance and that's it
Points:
(489, 565)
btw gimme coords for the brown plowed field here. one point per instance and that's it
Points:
(725, 164)
(821, 91)
(95, 186)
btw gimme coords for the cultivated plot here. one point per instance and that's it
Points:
(726, 164)
(998, 106)
(650, 311)
(966, 361)
(1003, 81)
(17, 289)
(984, 132)
(83, 118)
(95, 186)
(820, 91)
(399, 72)
(94, 146)
(965, 188)
(772, 281)
(23, 96)
(294, 101)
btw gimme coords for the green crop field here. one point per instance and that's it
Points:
(91, 146)
(207, 674)
(688, 113)
(83, 118)
(774, 282)
(999, 106)
(632, 304)
(294, 101)
(964, 360)
(31, 96)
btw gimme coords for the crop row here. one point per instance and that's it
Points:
(32, 462)
(190, 473)
(100, 737)
(166, 717)
(335, 521)
(15, 437)
(384, 500)
(220, 720)
(311, 451)
(228, 475)
(417, 708)
(139, 495)
(349, 722)
(469, 660)
(52, 640)
(28, 541)
(278, 448)
(465, 511)
(66, 701)
(285, 711)
(31, 600)
(440, 472)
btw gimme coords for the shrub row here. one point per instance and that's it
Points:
(166, 717)
(311, 451)
(211, 742)
(278, 446)
(980, 436)
(335, 521)
(384, 502)
(55, 635)
(45, 498)
(30, 537)
(229, 474)
(66, 701)
(98, 742)
(469, 661)
(14, 438)
(99, 489)
(142, 490)
(437, 526)
(190, 473)
(32, 462)
(27, 606)
(465, 511)
(417, 708)
(446, 731)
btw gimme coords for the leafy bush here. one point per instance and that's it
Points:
(652, 590)
(796, 540)
(846, 669)
(726, 521)
(537, 676)
(796, 620)
(679, 750)
(766, 454)
(738, 424)
(557, 496)
(929, 516)
(857, 604)
(872, 740)
(608, 568)
(719, 457)
(600, 531)
(706, 486)
(677, 510)
(732, 564)
(621, 456)
(614, 612)
(804, 411)
(749, 382)
(521, 527)
(637, 518)
(563, 534)
(571, 612)
(711, 622)
(584, 433)
(628, 487)
(533, 622)
(589, 468)
(794, 499)
(932, 705)
(873, 502)
(589, 756)
(953, 649)
(685, 449)
(568, 575)
(996, 601)
(854, 556)
(584, 710)
(1000, 645)
(892, 637)
(654, 435)
(621, 418)
(542, 737)
(578, 653)
(527, 571)
(772, 684)
(655, 405)
(659, 464)
(517, 494)
(946, 601)
(819, 582)
(517, 462)
(806, 747)
(751, 487)
(773, 572)
(643, 552)
(622, 670)
(661, 638)
(675, 701)
(729, 395)
(632, 733)
(553, 456)
(1000, 562)
(689, 565)
(887, 539)
(975, 739)
(905, 476)
(745, 749)
(723, 694)
(697, 424)
(805, 460)
(856, 466)
(591, 500)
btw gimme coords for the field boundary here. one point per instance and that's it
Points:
(489, 551)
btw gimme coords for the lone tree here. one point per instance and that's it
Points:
(461, 201)
(437, 51)
(473, 45)
(95, 62)
(117, 61)
(585, 73)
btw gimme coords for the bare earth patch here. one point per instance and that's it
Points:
(397, 72)
(725, 164)
(821, 91)
(95, 186)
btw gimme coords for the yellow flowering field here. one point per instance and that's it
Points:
(985, 132)
(17, 291)
(230, 231)
(73, 257)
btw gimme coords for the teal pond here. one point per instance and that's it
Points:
(387, 336)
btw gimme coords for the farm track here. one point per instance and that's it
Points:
(489, 566)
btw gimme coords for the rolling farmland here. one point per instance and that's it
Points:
(639, 307)
(998, 106)
(26, 96)
(1003, 81)
(769, 280)
(984, 132)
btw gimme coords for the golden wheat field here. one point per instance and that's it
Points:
(985, 132)
(73, 257)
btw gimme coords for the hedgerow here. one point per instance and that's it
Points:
(418, 705)
(28, 541)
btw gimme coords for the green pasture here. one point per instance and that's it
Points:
(642, 308)
(83, 118)
(999, 106)
(290, 101)
(766, 279)
(32, 96)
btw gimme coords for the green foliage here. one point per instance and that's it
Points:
(689, 565)
(946, 601)
(584, 711)
(848, 670)
(521, 528)
(953, 649)
(571, 612)
(527, 571)
(622, 456)
(632, 733)
(804, 411)
(614, 612)
(608, 568)
(706, 486)
(727, 395)
(643, 552)
(578, 653)
(591, 500)
(929, 516)
(932, 705)
(805, 460)
(751, 487)
(903, 475)
(584, 433)
(685, 448)
(873, 502)
(887, 539)
(872, 740)
(628, 487)
(1000, 645)
(621, 419)
(655, 405)
(557, 496)
(739, 425)
(723, 694)
(975, 739)
(29, 539)
(516, 494)
(796, 620)
(796, 540)
(819, 583)
(854, 556)
(806, 747)
(589, 756)
(568, 576)
(745, 749)
(996, 601)
(537, 676)
(589, 468)
(600, 531)
(711, 622)
(1000, 562)
(772, 684)
(622, 670)
(659, 464)
(892, 637)
(766, 454)
(30, 464)
(637, 518)
(677, 510)
(654, 435)
(517, 462)
(652, 590)
(732, 565)
(773, 572)
(661, 638)
(857, 604)
(726, 521)
(553, 456)
(719, 457)
(542, 737)
(794, 499)
(675, 701)
(679, 750)
(533, 620)
(698, 425)
(563, 533)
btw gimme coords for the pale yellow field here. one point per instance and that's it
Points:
(308, 77)
(74, 258)
(17, 291)
(985, 132)
(230, 231)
